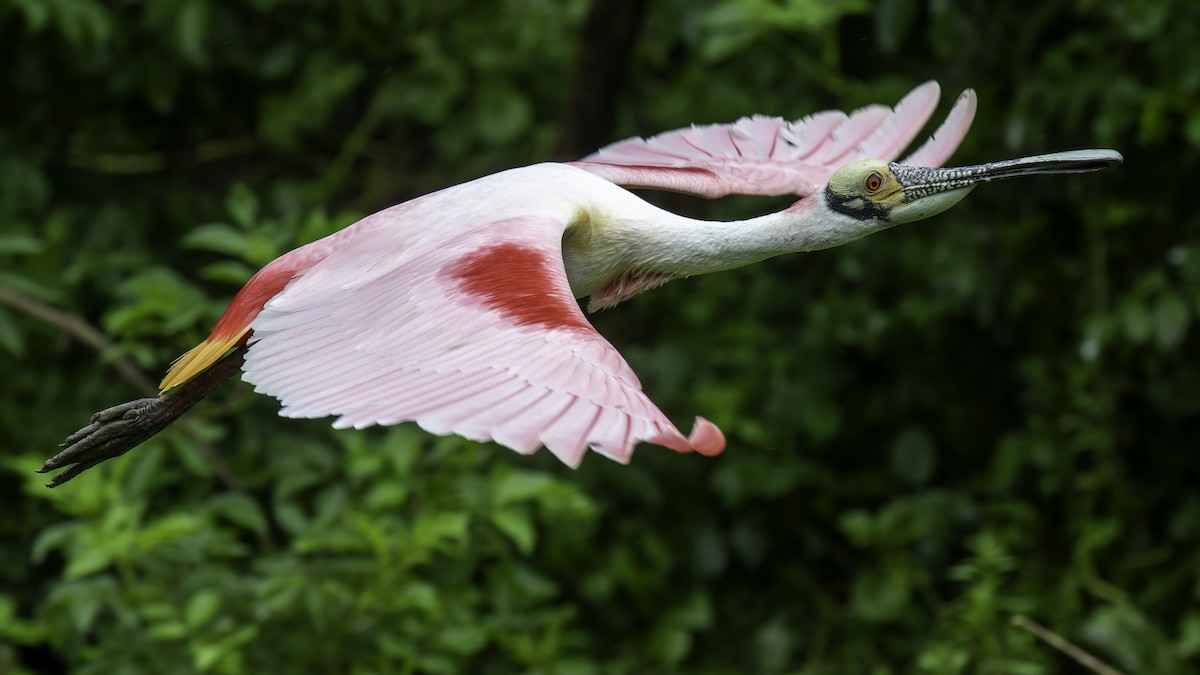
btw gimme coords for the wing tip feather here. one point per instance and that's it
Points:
(942, 143)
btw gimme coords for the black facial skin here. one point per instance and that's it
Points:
(857, 207)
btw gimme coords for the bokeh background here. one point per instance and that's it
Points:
(989, 415)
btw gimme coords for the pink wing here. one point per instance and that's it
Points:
(478, 335)
(771, 156)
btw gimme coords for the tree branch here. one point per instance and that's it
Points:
(1061, 644)
(607, 39)
(81, 330)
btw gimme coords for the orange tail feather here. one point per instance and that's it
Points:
(198, 358)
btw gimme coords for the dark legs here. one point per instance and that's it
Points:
(119, 429)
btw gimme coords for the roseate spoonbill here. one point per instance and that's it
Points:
(457, 310)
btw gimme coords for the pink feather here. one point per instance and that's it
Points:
(769, 156)
(942, 144)
(419, 336)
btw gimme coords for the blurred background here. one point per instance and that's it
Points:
(989, 415)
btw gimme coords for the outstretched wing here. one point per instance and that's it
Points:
(771, 156)
(476, 335)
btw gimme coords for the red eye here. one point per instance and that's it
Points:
(874, 182)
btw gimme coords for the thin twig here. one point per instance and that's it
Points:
(1061, 644)
(153, 161)
(81, 330)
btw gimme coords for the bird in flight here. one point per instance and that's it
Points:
(458, 310)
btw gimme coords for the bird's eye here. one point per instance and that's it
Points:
(873, 182)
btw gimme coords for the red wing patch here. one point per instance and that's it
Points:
(233, 327)
(250, 300)
(517, 281)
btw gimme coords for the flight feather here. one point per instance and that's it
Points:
(771, 156)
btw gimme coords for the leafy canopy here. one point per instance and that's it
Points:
(931, 431)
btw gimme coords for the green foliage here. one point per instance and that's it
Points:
(931, 431)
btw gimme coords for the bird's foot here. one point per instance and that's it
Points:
(117, 430)
(110, 433)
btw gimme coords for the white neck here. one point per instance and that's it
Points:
(640, 237)
(699, 247)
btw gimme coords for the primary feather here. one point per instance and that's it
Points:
(772, 156)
